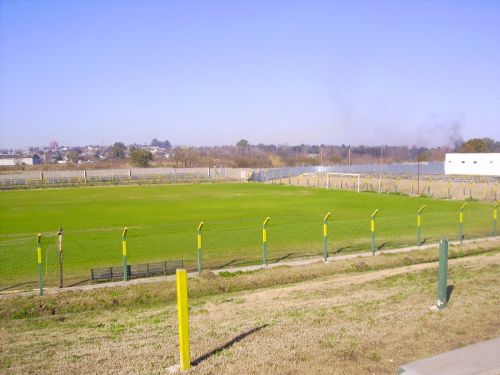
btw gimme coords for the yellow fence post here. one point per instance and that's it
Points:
(39, 259)
(264, 241)
(199, 246)
(124, 254)
(461, 223)
(182, 314)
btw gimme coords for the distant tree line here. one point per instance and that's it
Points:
(243, 154)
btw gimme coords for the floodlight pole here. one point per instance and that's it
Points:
(419, 224)
(264, 241)
(372, 227)
(124, 253)
(60, 249)
(325, 236)
(200, 226)
(461, 223)
(39, 258)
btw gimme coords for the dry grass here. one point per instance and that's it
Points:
(359, 323)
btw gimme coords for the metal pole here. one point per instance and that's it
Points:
(199, 246)
(40, 269)
(60, 236)
(264, 242)
(443, 274)
(124, 253)
(495, 219)
(418, 172)
(419, 224)
(325, 236)
(461, 223)
(372, 227)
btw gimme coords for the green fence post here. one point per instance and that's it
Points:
(325, 236)
(443, 275)
(461, 223)
(199, 246)
(419, 224)
(264, 241)
(372, 227)
(124, 253)
(495, 219)
(39, 258)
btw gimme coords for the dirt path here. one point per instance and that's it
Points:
(336, 282)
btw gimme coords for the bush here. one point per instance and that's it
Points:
(141, 158)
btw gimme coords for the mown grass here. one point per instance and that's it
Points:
(162, 222)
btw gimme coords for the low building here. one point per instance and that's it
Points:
(478, 164)
(12, 160)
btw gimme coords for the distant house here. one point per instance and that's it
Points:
(12, 160)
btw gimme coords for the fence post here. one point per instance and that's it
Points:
(183, 318)
(60, 249)
(39, 258)
(495, 219)
(325, 236)
(264, 241)
(461, 223)
(419, 224)
(200, 226)
(124, 253)
(443, 275)
(372, 227)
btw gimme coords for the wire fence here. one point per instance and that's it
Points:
(44, 179)
(436, 186)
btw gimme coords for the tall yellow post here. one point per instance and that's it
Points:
(182, 314)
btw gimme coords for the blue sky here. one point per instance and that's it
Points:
(213, 72)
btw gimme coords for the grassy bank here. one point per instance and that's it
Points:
(368, 319)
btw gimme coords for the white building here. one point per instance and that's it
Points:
(480, 164)
(20, 160)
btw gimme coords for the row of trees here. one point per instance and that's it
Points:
(245, 155)
(475, 145)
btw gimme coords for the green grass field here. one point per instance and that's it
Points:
(162, 222)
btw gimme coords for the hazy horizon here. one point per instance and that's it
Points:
(209, 73)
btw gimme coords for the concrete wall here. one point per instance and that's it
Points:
(480, 164)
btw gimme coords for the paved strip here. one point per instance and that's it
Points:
(482, 358)
(289, 263)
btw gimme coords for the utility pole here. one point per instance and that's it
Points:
(380, 178)
(349, 155)
(321, 158)
(418, 172)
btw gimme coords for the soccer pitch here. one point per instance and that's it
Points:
(163, 221)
